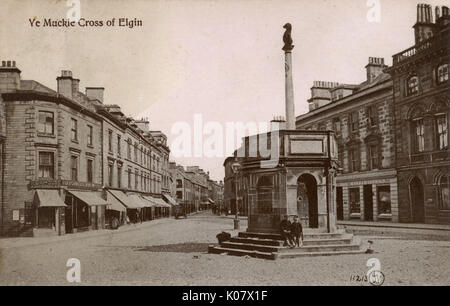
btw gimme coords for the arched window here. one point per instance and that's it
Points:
(441, 132)
(442, 73)
(444, 192)
(412, 85)
(417, 130)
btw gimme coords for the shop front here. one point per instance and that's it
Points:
(171, 201)
(49, 210)
(116, 212)
(85, 211)
(133, 207)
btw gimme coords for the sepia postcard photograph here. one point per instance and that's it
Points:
(209, 145)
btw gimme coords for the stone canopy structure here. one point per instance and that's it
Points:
(296, 179)
(288, 171)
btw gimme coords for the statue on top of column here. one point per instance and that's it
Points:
(287, 39)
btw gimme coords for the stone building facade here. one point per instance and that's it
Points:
(362, 118)
(47, 158)
(422, 106)
(392, 131)
(70, 162)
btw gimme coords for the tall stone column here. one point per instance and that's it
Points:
(289, 88)
(289, 92)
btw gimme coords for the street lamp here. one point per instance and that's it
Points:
(236, 167)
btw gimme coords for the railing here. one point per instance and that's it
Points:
(425, 45)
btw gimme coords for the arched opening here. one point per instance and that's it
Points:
(307, 208)
(417, 200)
(264, 190)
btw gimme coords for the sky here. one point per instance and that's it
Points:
(221, 60)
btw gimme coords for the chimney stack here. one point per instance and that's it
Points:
(9, 76)
(374, 68)
(277, 123)
(442, 20)
(424, 28)
(64, 83)
(321, 94)
(75, 87)
(95, 93)
(143, 124)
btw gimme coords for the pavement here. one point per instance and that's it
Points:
(434, 227)
(404, 230)
(174, 252)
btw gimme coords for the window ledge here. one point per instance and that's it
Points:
(74, 141)
(46, 135)
(90, 146)
(385, 216)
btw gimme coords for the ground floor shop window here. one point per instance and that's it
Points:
(46, 217)
(384, 199)
(354, 201)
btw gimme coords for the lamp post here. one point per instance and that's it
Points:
(236, 167)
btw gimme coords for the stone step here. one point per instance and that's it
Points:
(268, 236)
(322, 248)
(330, 253)
(306, 235)
(251, 247)
(346, 239)
(239, 252)
(269, 242)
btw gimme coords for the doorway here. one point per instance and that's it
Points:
(417, 201)
(368, 202)
(307, 199)
(339, 203)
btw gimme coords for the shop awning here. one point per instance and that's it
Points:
(139, 200)
(149, 201)
(48, 198)
(89, 197)
(161, 202)
(125, 199)
(211, 201)
(170, 200)
(157, 201)
(115, 204)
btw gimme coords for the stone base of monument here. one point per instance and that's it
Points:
(270, 246)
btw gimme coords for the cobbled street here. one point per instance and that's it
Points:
(174, 252)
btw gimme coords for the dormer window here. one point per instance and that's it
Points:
(412, 85)
(442, 73)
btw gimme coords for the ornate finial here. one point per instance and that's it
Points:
(287, 39)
